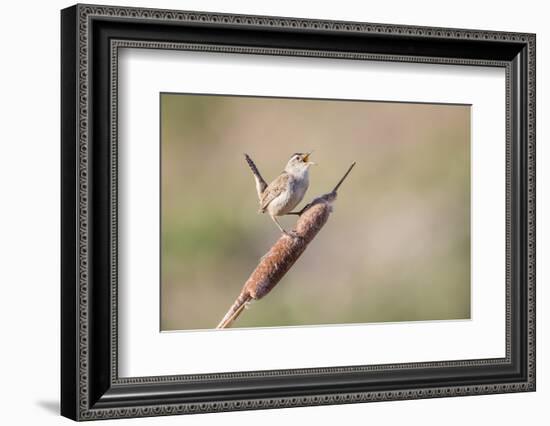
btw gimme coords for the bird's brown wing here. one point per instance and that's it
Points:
(273, 190)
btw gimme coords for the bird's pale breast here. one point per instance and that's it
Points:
(290, 197)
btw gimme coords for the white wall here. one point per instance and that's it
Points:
(29, 211)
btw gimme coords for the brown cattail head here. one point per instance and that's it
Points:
(286, 251)
(280, 258)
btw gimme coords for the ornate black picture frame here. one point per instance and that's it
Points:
(90, 385)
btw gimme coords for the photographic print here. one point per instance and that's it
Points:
(254, 234)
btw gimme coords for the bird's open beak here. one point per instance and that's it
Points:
(306, 159)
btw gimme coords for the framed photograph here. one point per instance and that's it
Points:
(263, 212)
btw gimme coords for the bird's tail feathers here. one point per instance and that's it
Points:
(261, 184)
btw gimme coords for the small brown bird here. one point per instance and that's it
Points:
(287, 190)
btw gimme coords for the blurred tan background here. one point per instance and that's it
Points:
(397, 247)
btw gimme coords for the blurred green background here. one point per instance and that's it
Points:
(397, 247)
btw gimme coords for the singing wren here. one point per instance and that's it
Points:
(287, 190)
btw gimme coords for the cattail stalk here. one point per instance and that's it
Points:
(284, 253)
